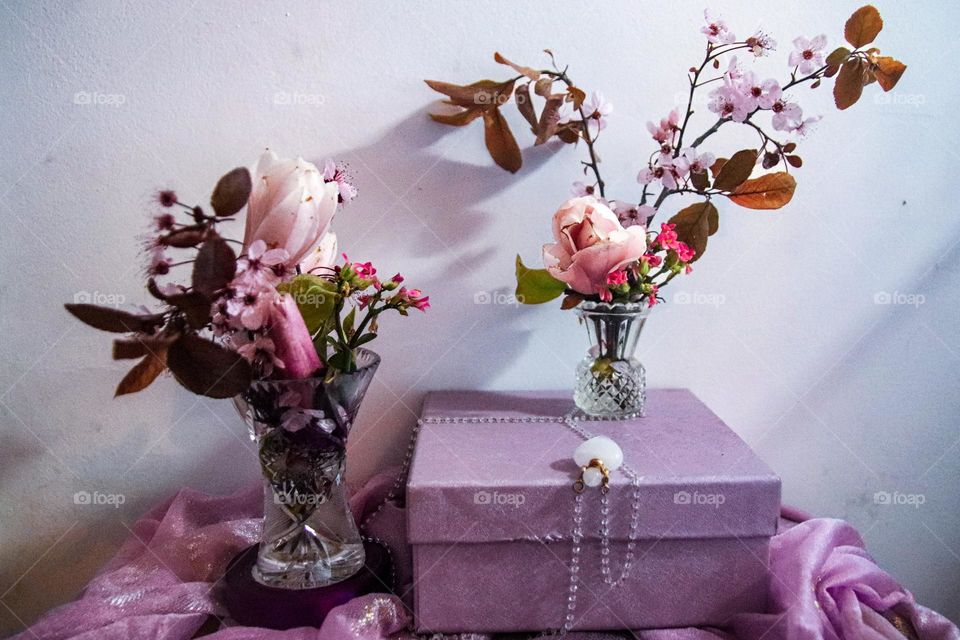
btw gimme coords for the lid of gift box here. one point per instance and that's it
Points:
(510, 476)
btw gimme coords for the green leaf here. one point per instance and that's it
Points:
(349, 321)
(316, 298)
(536, 286)
(837, 56)
(364, 339)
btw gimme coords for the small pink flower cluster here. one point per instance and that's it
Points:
(665, 168)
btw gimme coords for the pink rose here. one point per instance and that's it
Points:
(291, 340)
(290, 206)
(590, 245)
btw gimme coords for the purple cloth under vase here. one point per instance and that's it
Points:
(162, 583)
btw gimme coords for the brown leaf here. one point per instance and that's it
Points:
(525, 105)
(114, 320)
(186, 237)
(737, 169)
(849, 84)
(569, 134)
(231, 193)
(129, 349)
(695, 224)
(460, 118)
(576, 96)
(500, 141)
(863, 26)
(795, 161)
(700, 180)
(570, 301)
(194, 305)
(142, 374)
(888, 71)
(214, 267)
(207, 368)
(483, 93)
(769, 191)
(543, 87)
(717, 166)
(548, 118)
(533, 74)
(770, 160)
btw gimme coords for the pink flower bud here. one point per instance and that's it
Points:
(292, 340)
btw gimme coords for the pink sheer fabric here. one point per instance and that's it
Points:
(162, 583)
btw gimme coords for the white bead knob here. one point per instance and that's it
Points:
(599, 448)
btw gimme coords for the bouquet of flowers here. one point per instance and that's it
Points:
(607, 250)
(279, 325)
(607, 259)
(282, 306)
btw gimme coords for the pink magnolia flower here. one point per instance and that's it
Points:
(289, 333)
(290, 206)
(323, 258)
(716, 30)
(590, 245)
(786, 115)
(261, 353)
(756, 93)
(809, 54)
(334, 174)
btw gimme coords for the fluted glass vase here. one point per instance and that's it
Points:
(301, 426)
(611, 382)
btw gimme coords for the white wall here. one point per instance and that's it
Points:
(844, 397)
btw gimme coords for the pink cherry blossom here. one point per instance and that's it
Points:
(805, 127)
(758, 94)
(333, 173)
(690, 162)
(716, 30)
(580, 189)
(595, 111)
(663, 132)
(259, 266)
(631, 215)
(809, 54)
(251, 305)
(261, 353)
(761, 44)
(786, 115)
(727, 102)
(159, 262)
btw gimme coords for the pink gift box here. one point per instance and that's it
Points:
(491, 509)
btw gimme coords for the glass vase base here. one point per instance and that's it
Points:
(611, 389)
(338, 565)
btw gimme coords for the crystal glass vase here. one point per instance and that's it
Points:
(611, 383)
(300, 426)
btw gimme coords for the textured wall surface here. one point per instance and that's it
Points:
(824, 333)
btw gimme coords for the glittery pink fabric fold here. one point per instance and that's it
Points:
(161, 583)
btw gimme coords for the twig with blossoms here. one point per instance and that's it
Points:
(589, 258)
